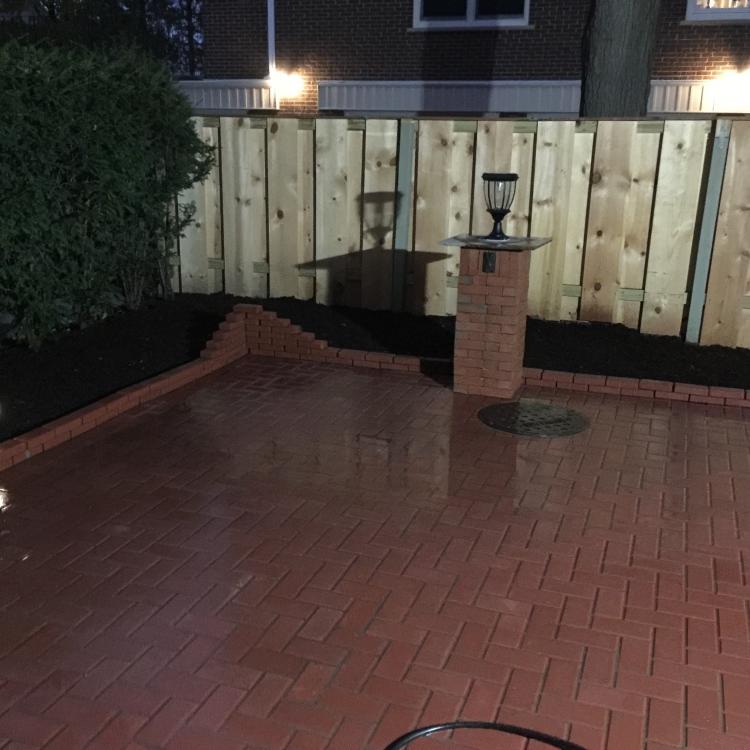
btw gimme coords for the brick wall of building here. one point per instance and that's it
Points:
(361, 39)
(236, 39)
(698, 50)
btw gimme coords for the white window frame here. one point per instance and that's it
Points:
(471, 21)
(715, 15)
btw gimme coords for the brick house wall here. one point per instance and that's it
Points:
(235, 34)
(362, 40)
(698, 51)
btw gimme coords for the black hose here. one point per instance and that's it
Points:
(530, 734)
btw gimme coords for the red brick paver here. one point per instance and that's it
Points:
(299, 556)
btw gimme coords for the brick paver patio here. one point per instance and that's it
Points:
(298, 557)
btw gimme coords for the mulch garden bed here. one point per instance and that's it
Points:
(85, 365)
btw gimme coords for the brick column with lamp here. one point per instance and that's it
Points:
(491, 322)
(493, 293)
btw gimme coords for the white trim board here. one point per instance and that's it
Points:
(412, 97)
(235, 95)
(532, 97)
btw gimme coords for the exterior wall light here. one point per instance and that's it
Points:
(730, 92)
(287, 85)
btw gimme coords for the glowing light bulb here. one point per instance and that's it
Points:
(731, 91)
(287, 85)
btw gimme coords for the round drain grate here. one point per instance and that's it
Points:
(531, 418)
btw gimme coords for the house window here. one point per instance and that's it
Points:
(718, 10)
(446, 14)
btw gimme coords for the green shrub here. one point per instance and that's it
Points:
(94, 147)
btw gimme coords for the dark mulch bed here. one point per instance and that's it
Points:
(604, 349)
(372, 330)
(595, 348)
(83, 366)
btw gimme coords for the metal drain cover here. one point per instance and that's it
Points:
(531, 418)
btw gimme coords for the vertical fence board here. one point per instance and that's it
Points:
(444, 169)
(404, 231)
(355, 141)
(432, 185)
(613, 231)
(338, 234)
(330, 210)
(202, 240)
(291, 168)
(494, 154)
(285, 202)
(518, 222)
(292, 209)
(637, 222)
(290, 234)
(575, 236)
(549, 217)
(306, 210)
(378, 209)
(243, 175)
(683, 154)
(724, 319)
(459, 209)
(610, 180)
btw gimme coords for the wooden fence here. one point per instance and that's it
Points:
(646, 221)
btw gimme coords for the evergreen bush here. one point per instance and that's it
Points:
(94, 147)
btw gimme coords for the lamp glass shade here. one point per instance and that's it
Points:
(499, 192)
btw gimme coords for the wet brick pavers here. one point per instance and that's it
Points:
(295, 556)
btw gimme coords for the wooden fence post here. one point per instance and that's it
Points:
(708, 229)
(407, 130)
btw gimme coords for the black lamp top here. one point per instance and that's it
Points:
(500, 177)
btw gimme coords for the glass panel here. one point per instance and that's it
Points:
(500, 8)
(444, 9)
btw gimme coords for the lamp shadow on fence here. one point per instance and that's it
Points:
(379, 276)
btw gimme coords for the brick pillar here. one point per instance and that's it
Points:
(491, 324)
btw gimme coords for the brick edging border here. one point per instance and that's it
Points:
(664, 390)
(249, 329)
(18, 449)
(269, 335)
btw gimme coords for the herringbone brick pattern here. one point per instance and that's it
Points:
(293, 556)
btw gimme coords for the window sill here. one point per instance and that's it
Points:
(472, 27)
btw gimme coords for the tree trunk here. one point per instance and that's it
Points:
(618, 53)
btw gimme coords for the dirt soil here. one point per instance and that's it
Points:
(85, 365)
